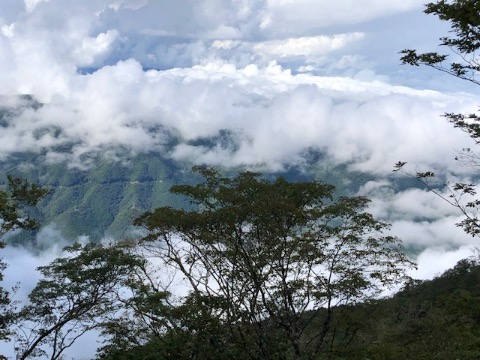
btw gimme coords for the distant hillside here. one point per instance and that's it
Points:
(103, 198)
(434, 319)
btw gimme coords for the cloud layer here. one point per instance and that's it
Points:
(272, 116)
(132, 73)
(241, 82)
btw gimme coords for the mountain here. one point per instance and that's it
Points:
(101, 198)
(104, 199)
(431, 319)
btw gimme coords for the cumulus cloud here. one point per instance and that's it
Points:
(91, 47)
(244, 82)
(271, 115)
(30, 5)
(8, 30)
(164, 34)
(314, 45)
(434, 261)
(127, 4)
(422, 219)
(282, 15)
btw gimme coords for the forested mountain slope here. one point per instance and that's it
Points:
(101, 194)
(103, 200)
(431, 319)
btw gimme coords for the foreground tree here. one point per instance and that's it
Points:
(78, 293)
(464, 18)
(15, 201)
(268, 263)
(464, 43)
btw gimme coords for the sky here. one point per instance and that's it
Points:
(281, 77)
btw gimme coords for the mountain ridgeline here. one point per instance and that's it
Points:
(103, 201)
(102, 198)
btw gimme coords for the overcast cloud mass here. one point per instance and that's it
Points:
(280, 77)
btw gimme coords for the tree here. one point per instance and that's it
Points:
(14, 204)
(464, 16)
(429, 319)
(464, 43)
(270, 262)
(79, 293)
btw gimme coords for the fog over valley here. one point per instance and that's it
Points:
(108, 103)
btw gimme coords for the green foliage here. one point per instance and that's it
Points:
(78, 293)
(124, 189)
(266, 253)
(186, 331)
(15, 202)
(435, 319)
(464, 19)
(104, 199)
(275, 270)
(430, 319)
(20, 195)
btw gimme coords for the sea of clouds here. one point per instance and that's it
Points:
(282, 77)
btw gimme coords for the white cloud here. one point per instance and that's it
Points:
(281, 16)
(224, 32)
(426, 234)
(128, 4)
(22, 273)
(30, 5)
(225, 44)
(91, 47)
(307, 46)
(268, 79)
(272, 115)
(434, 261)
(8, 30)
(422, 219)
